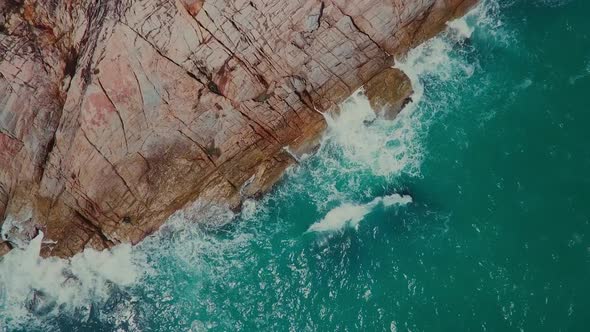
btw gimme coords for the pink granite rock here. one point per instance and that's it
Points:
(114, 114)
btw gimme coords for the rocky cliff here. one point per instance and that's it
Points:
(114, 114)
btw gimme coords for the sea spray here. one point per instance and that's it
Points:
(62, 286)
(350, 215)
(461, 27)
(365, 142)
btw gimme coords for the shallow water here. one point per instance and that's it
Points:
(470, 211)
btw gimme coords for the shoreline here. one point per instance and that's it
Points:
(87, 210)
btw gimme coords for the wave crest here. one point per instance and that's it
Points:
(350, 215)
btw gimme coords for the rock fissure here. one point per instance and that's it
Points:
(205, 152)
(106, 94)
(113, 167)
(93, 229)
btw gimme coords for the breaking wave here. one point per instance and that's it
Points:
(350, 215)
(32, 287)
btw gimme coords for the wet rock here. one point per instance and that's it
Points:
(115, 114)
(388, 92)
(5, 248)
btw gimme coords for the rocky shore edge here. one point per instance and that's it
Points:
(114, 115)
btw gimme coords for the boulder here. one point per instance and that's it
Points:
(388, 92)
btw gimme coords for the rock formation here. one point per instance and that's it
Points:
(116, 113)
(388, 92)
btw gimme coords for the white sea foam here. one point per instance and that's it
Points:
(187, 234)
(29, 282)
(487, 17)
(350, 215)
(249, 208)
(360, 144)
(461, 27)
(430, 57)
(17, 229)
(367, 142)
(433, 58)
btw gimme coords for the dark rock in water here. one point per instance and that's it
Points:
(405, 192)
(406, 102)
(388, 92)
(70, 278)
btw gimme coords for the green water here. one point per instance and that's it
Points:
(495, 158)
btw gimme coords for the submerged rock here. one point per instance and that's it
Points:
(115, 114)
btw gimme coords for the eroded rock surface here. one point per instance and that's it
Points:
(114, 114)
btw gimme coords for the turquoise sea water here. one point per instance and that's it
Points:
(470, 212)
